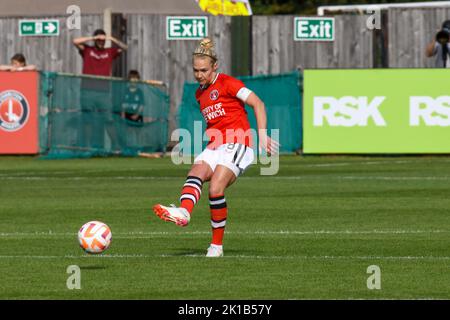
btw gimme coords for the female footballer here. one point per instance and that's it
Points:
(229, 151)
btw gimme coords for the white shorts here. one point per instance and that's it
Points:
(236, 157)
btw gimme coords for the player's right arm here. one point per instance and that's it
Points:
(80, 42)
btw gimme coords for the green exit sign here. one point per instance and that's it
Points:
(313, 29)
(186, 28)
(39, 27)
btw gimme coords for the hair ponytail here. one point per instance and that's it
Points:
(206, 49)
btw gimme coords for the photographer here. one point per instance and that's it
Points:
(440, 47)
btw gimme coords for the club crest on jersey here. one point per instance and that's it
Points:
(214, 95)
(14, 110)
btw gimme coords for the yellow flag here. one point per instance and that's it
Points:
(226, 7)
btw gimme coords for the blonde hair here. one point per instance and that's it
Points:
(205, 49)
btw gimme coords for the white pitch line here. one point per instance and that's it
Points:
(331, 164)
(143, 235)
(88, 178)
(31, 174)
(386, 161)
(339, 164)
(250, 257)
(334, 177)
(306, 177)
(394, 178)
(328, 257)
(297, 164)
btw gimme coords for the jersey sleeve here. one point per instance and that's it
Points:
(237, 89)
(115, 52)
(82, 52)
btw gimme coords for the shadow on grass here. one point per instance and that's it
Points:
(180, 252)
(92, 267)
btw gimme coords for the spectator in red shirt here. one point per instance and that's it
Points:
(97, 60)
(95, 95)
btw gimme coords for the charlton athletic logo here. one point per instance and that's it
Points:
(214, 95)
(14, 110)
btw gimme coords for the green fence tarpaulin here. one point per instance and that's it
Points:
(281, 95)
(83, 116)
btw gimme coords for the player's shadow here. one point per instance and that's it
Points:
(179, 252)
(93, 267)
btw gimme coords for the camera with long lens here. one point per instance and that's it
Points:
(443, 36)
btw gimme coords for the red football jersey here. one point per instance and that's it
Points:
(98, 62)
(224, 112)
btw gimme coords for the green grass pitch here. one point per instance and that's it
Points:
(310, 232)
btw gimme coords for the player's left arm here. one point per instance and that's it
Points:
(265, 142)
(119, 43)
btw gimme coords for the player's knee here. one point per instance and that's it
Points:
(202, 171)
(216, 189)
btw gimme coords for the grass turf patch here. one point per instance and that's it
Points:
(310, 232)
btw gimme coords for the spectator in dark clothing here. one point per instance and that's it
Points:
(440, 47)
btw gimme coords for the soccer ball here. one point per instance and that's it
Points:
(94, 237)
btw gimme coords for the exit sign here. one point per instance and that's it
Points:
(186, 28)
(39, 27)
(313, 29)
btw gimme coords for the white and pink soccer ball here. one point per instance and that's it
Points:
(94, 237)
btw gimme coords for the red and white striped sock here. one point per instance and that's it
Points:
(218, 208)
(191, 192)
